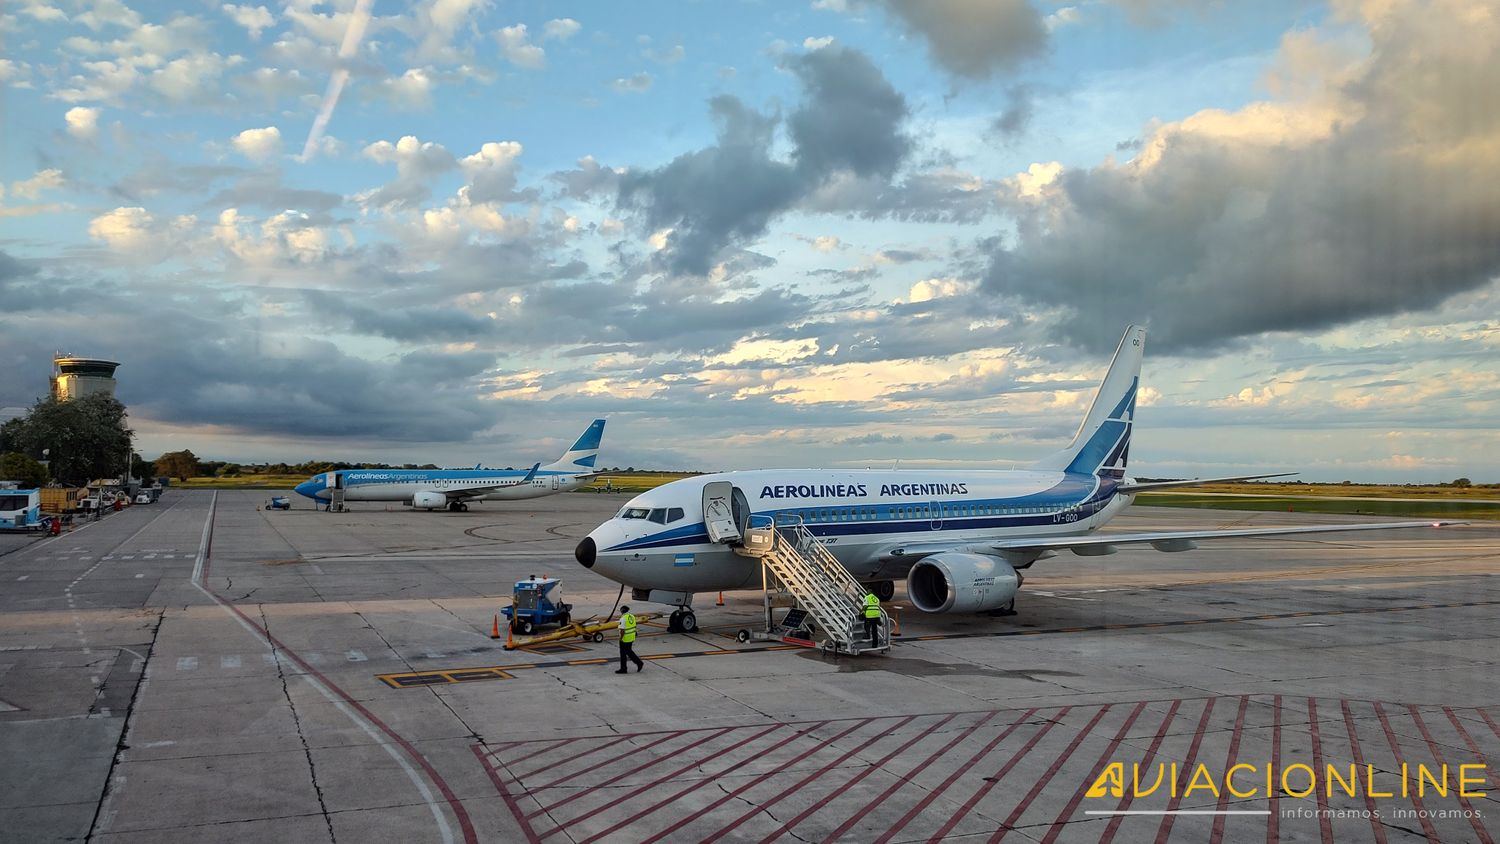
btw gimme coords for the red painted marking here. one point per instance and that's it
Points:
(1187, 768)
(505, 795)
(869, 769)
(757, 781)
(1036, 788)
(1217, 834)
(534, 789)
(546, 753)
(1129, 796)
(452, 799)
(1359, 762)
(630, 771)
(1273, 820)
(804, 781)
(1488, 720)
(989, 783)
(1416, 800)
(1437, 756)
(1473, 748)
(625, 798)
(910, 776)
(1067, 812)
(1325, 823)
(953, 777)
(700, 783)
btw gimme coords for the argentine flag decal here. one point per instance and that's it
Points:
(682, 560)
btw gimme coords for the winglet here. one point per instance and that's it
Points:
(529, 475)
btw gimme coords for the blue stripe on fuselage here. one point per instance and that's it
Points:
(1089, 494)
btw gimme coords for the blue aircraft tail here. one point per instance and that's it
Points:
(1102, 444)
(583, 454)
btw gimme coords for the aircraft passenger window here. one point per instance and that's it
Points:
(659, 515)
(634, 513)
(674, 514)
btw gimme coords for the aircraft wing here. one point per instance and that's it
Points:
(476, 491)
(1137, 487)
(1104, 543)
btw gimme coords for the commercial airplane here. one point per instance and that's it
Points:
(958, 537)
(430, 489)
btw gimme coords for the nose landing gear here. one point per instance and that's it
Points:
(682, 621)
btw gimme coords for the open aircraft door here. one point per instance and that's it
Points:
(726, 513)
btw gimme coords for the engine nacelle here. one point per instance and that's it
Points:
(954, 581)
(429, 500)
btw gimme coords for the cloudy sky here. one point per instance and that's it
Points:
(842, 232)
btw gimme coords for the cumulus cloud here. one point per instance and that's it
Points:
(974, 38)
(43, 180)
(561, 29)
(258, 144)
(849, 121)
(1363, 191)
(492, 172)
(518, 50)
(83, 123)
(135, 233)
(254, 19)
(636, 84)
(417, 163)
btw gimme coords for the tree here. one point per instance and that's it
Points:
(178, 464)
(1462, 483)
(17, 467)
(231, 470)
(85, 438)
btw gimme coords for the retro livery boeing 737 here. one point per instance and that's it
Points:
(958, 537)
(430, 489)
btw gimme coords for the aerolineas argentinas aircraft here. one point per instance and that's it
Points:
(430, 489)
(957, 536)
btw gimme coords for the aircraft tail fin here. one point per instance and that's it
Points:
(581, 457)
(1102, 444)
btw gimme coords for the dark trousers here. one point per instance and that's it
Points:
(627, 651)
(872, 629)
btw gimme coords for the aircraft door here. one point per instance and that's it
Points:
(556, 481)
(935, 514)
(719, 513)
(335, 480)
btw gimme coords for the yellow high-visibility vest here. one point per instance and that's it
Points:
(872, 606)
(627, 627)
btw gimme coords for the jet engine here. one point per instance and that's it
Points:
(954, 581)
(429, 500)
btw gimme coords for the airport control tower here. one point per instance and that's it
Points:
(74, 377)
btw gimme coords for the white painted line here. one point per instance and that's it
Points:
(445, 831)
(139, 576)
(22, 577)
(231, 661)
(356, 656)
(187, 663)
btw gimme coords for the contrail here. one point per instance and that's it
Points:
(358, 20)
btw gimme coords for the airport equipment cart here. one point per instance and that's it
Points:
(591, 629)
(279, 502)
(535, 602)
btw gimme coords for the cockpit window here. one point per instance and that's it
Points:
(673, 514)
(659, 515)
(635, 513)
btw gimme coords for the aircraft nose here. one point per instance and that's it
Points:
(586, 552)
(306, 488)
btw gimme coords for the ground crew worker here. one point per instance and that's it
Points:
(872, 617)
(627, 641)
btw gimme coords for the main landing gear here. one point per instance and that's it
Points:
(883, 589)
(682, 621)
(457, 507)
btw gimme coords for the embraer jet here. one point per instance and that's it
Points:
(958, 537)
(430, 489)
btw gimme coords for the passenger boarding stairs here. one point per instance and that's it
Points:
(819, 582)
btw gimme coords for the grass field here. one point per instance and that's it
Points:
(1452, 508)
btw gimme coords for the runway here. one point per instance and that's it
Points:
(202, 669)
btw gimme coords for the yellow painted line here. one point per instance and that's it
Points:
(719, 653)
(1196, 621)
(599, 661)
(659, 656)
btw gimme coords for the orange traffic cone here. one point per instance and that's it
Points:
(721, 600)
(495, 630)
(510, 637)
